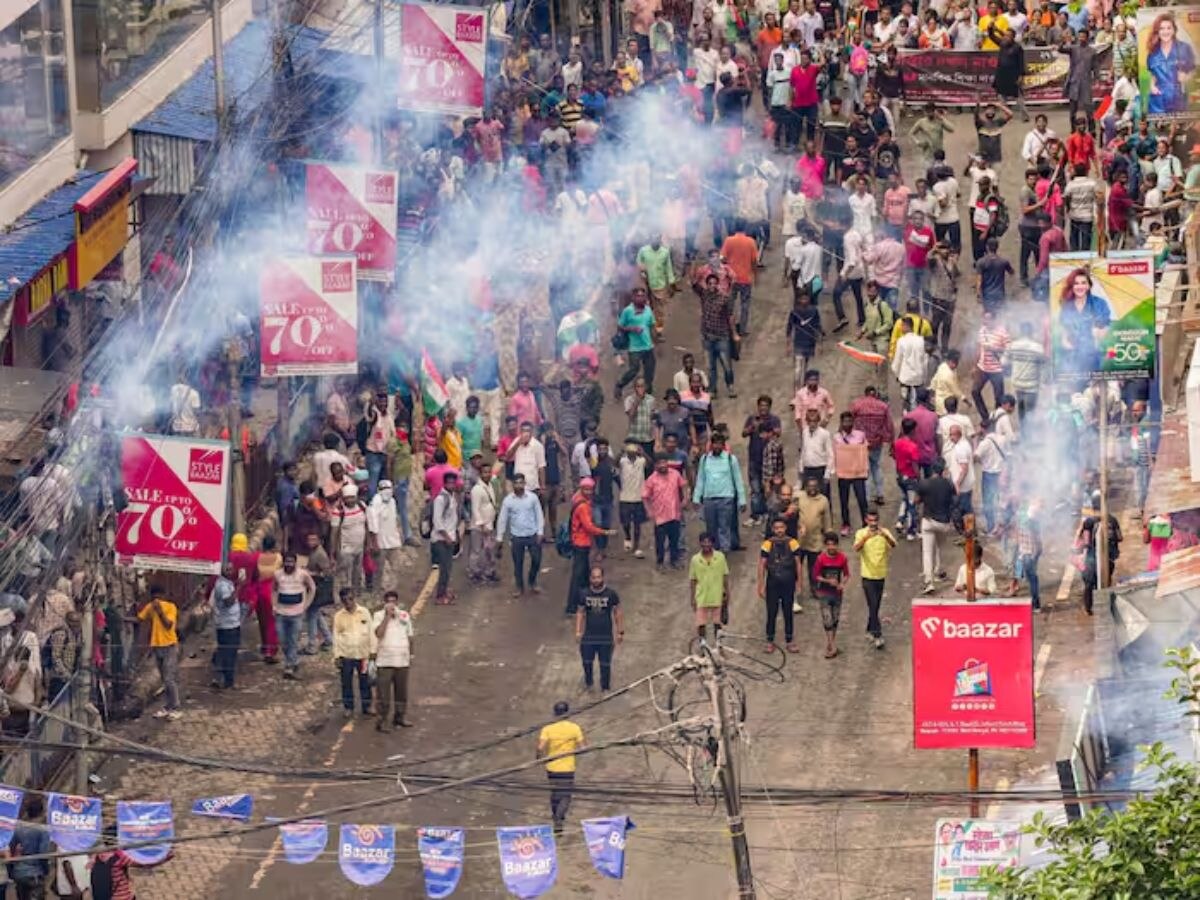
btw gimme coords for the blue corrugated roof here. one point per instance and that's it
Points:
(189, 111)
(41, 234)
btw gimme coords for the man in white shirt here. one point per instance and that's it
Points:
(705, 61)
(991, 454)
(1035, 146)
(683, 378)
(458, 387)
(985, 576)
(960, 467)
(816, 451)
(323, 460)
(953, 417)
(910, 362)
(528, 456)
(392, 630)
(977, 170)
(185, 405)
(383, 524)
(946, 217)
(481, 539)
(810, 22)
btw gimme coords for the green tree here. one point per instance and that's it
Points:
(1150, 850)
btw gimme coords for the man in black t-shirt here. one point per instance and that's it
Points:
(936, 495)
(599, 610)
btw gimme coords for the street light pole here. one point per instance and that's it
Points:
(727, 774)
(972, 752)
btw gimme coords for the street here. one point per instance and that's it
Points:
(490, 666)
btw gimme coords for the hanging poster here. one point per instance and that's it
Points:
(178, 490)
(10, 811)
(74, 822)
(1168, 44)
(231, 806)
(308, 312)
(443, 54)
(441, 851)
(1102, 315)
(352, 210)
(138, 822)
(528, 860)
(963, 848)
(303, 841)
(606, 844)
(366, 853)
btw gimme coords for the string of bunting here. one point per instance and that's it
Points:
(366, 853)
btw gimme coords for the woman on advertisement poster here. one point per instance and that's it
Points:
(1170, 62)
(1083, 321)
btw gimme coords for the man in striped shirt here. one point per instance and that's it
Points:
(989, 369)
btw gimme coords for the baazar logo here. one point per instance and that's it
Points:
(205, 466)
(931, 626)
(336, 278)
(468, 28)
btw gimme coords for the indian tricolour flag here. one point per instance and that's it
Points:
(433, 389)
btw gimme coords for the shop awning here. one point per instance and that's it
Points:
(45, 232)
(190, 112)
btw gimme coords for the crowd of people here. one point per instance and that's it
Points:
(862, 203)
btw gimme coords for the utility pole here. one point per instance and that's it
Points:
(218, 66)
(83, 692)
(281, 86)
(727, 773)
(233, 360)
(379, 46)
(1100, 532)
(972, 752)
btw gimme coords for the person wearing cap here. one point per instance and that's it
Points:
(348, 537)
(292, 591)
(584, 532)
(557, 744)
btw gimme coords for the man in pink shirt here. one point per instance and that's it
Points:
(918, 241)
(811, 395)
(805, 100)
(664, 494)
(886, 259)
(523, 403)
(895, 205)
(810, 166)
(435, 475)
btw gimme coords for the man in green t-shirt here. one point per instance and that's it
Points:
(470, 426)
(654, 264)
(636, 322)
(708, 575)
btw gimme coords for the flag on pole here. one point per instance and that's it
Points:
(433, 389)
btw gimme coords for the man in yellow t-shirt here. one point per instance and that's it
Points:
(994, 20)
(563, 736)
(164, 644)
(874, 546)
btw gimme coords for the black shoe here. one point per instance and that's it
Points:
(840, 325)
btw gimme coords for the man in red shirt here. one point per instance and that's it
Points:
(740, 251)
(1081, 146)
(805, 100)
(918, 241)
(907, 455)
(1120, 206)
(584, 531)
(874, 419)
(1053, 240)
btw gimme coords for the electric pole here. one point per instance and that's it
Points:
(218, 66)
(972, 752)
(727, 773)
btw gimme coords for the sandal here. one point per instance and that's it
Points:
(830, 654)
(792, 648)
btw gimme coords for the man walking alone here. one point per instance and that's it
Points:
(555, 740)
(599, 611)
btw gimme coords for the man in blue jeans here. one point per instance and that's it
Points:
(521, 516)
(716, 331)
(720, 492)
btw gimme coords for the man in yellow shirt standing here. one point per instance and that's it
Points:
(164, 644)
(874, 546)
(991, 26)
(563, 736)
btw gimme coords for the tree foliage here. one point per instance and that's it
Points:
(1150, 850)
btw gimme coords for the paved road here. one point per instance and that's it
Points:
(491, 664)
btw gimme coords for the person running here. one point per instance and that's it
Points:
(830, 577)
(874, 546)
(778, 576)
(599, 612)
(557, 744)
(708, 579)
